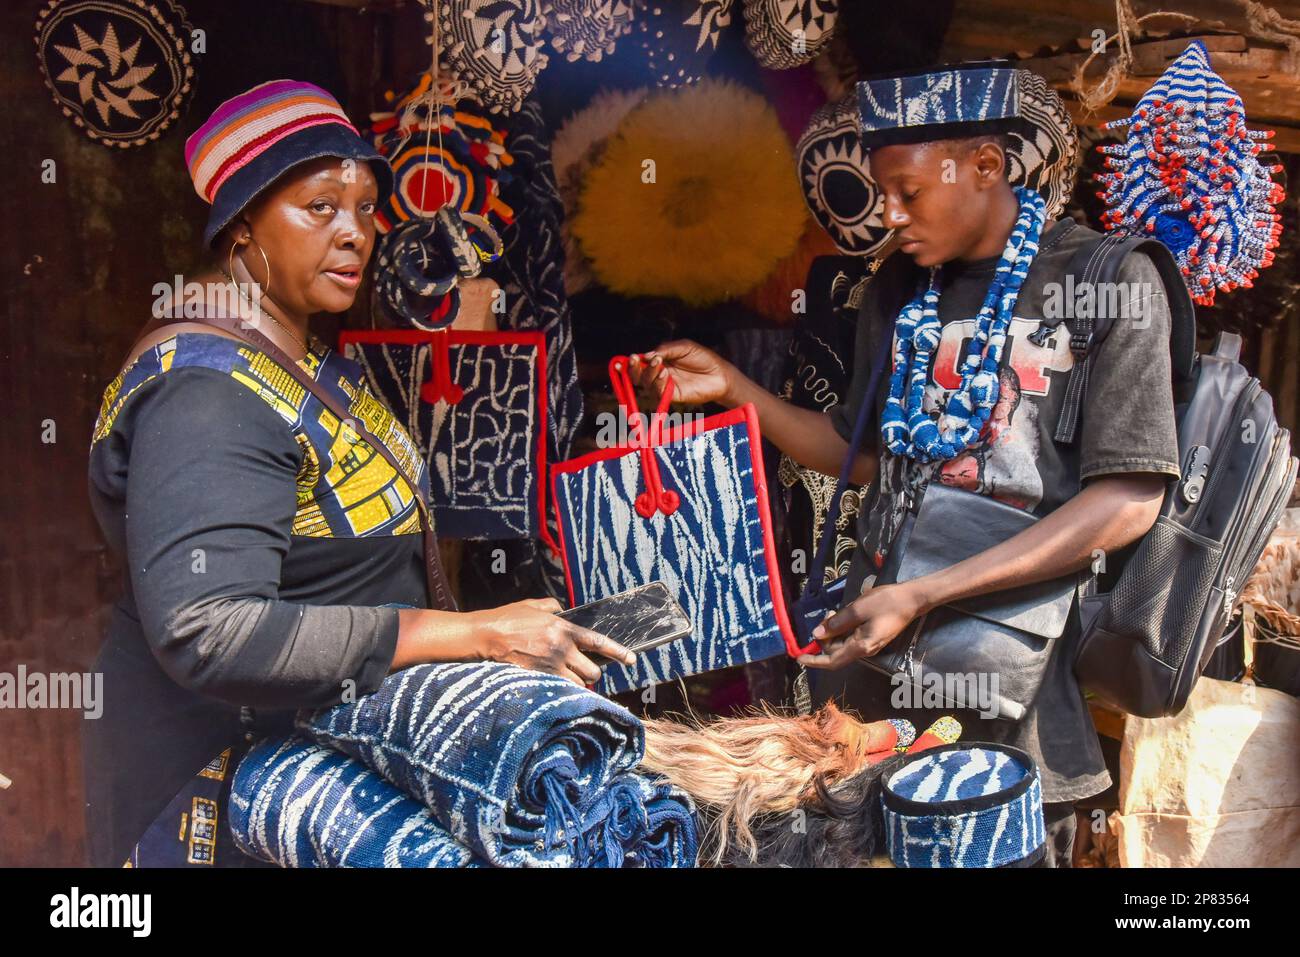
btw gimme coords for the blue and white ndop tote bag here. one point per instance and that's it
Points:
(687, 507)
(475, 405)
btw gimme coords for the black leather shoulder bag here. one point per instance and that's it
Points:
(1007, 634)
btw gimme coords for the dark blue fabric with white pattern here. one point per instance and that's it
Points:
(710, 553)
(997, 820)
(523, 769)
(301, 805)
(481, 452)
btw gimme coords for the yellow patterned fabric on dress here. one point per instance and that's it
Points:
(345, 488)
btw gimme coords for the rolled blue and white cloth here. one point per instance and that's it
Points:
(518, 768)
(298, 804)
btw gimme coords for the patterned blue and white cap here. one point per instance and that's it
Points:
(965, 805)
(964, 99)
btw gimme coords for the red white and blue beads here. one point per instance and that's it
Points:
(906, 427)
(1189, 174)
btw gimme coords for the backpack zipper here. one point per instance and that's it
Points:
(1243, 513)
(1254, 540)
(909, 666)
(1247, 396)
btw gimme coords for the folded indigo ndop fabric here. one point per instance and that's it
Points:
(297, 804)
(525, 769)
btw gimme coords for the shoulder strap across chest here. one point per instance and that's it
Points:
(1091, 312)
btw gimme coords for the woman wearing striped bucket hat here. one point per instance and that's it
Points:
(270, 510)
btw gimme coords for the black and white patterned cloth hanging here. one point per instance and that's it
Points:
(1046, 159)
(782, 34)
(120, 69)
(531, 273)
(838, 187)
(677, 37)
(821, 354)
(586, 29)
(495, 46)
(531, 270)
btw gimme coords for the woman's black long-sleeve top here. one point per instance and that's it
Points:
(260, 539)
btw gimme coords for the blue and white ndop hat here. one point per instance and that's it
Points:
(965, 805)
(962, 99)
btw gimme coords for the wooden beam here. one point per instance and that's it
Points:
(1149, 58)
(1286, 139)
(1230, 56)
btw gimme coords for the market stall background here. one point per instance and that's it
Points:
(82, 255)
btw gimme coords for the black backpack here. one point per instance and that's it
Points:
(1147, 638)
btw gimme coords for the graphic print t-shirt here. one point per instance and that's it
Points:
(1126, 424)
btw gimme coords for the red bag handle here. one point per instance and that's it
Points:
(440, 388)
(655, 498)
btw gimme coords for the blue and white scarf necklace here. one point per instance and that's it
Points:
(905, 427)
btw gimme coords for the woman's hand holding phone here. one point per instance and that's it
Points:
(527, 633)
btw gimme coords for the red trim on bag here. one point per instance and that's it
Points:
(769, 540)
(415, 337)
(749, 416)
(559, 533)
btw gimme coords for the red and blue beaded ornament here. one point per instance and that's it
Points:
(1189, 174)
(442, 154)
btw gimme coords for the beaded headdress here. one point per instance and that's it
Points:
(1189, 174)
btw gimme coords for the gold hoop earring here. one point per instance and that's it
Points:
(267, 264)
(230, 266)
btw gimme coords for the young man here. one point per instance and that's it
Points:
(953, 211)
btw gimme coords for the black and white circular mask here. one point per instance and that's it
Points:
(836, 180)
(1046, 158)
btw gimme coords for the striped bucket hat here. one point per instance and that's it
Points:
(249, 141)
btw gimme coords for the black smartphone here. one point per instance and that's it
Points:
(639, 619)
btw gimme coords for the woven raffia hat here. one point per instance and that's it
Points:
(495, 47)
(965, 805)
(587, 29)
(252, 139)
(1044, 155)
(836, 178)
(782, 34)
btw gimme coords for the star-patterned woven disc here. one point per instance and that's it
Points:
(120, 69)
(838, 188)
(493, 45)
(785, 33)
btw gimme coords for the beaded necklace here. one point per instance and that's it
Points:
(905, 427)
